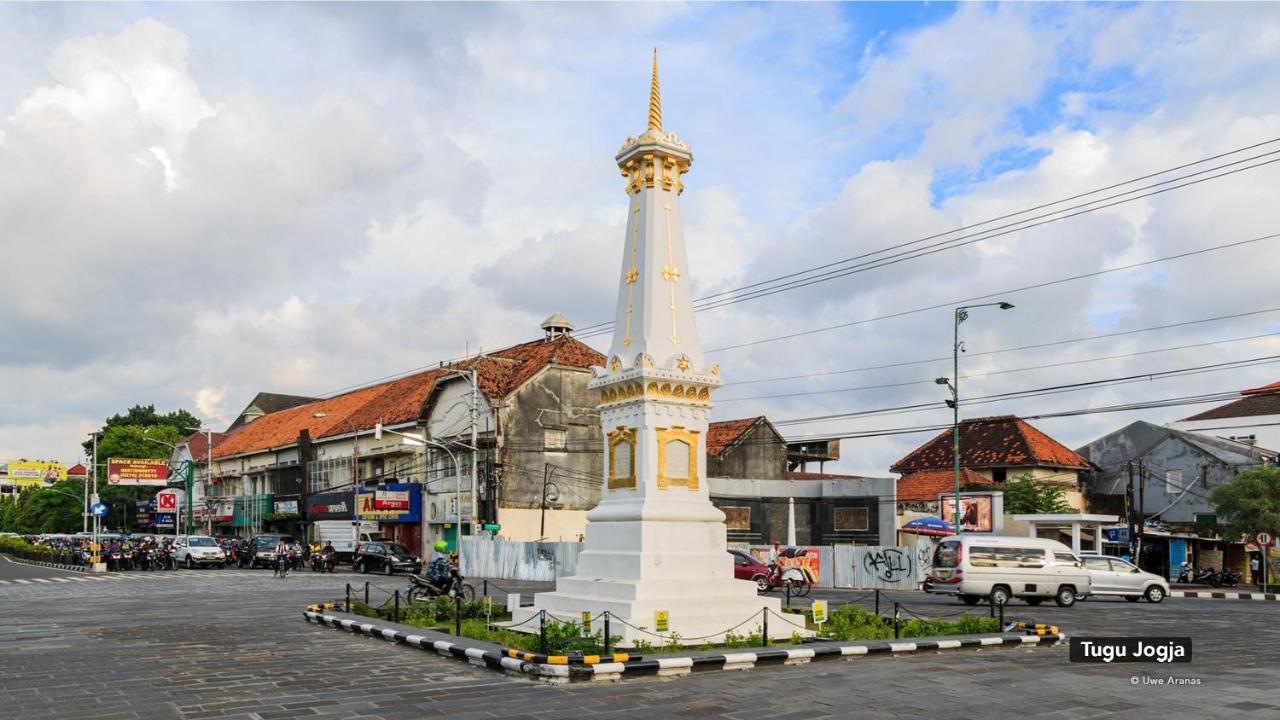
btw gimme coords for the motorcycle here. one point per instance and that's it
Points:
(164, 559)
(322, 561)
(127, 561)
(115, 561)
(421, 587)
(1207, 576)
(1229, 578)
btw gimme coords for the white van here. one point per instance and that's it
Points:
(999, 568)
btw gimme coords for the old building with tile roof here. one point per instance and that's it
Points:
(1253, 419)
(746, 448)
(993, 450)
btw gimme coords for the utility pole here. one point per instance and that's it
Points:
(1129, 513)
(1142, 509)
(475, 454)
(546, 478)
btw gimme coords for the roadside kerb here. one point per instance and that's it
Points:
(495, 657)
(1218, 595)
(42, 563)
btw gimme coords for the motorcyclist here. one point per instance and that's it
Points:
(440, 571)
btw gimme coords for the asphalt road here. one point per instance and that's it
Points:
(232, 644)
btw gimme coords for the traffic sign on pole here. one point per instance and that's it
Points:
(98, 510)
(1263, 538)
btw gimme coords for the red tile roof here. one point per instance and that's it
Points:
(720, 435)
(927, 484)
(1003, 441)
(1263, 400)
(1272, 388)
(198, 444)
(801, 475)
(404, 400)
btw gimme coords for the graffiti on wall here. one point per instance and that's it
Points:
(889, 564)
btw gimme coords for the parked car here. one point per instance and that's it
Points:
(1113, 576)
(198, 551)
(1000, 568)
(387, 558)
(262, 549)
(746, 567)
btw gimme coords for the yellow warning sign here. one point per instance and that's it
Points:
(660, 619)
(819, 611)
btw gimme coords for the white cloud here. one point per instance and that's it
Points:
(363, 190)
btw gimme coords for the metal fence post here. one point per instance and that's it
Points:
(486, 587)
(877, 601)
(348, 605)
(788, 595)
(1001, 617)
(897, 629)
(542, 631)
(764, 640)
(366, 592)
(396, 612)
(606, 632)
(457, 614)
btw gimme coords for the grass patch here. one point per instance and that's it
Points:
(847, 622)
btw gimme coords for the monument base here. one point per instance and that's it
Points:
(671, 561)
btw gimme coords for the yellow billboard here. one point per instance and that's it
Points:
(36, 472)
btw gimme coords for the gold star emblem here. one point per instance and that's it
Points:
(683, 363)
(632, 274)
(670, 273)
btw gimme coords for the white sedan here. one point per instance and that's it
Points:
(1113, 576)
(198, 551)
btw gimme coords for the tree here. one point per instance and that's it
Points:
(1249, 502)
(1024, 495)
(145, 416)
(54, 509)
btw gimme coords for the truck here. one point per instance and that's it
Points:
(338, 532)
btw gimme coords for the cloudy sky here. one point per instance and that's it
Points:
(202, 201)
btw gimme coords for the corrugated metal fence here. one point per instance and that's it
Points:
(519, 560)
(839, 566)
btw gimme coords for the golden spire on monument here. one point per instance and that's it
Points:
(654, 158)
(655, 98)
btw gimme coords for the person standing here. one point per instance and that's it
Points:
(1255, 569)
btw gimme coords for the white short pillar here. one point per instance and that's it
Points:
(1075, 537)
(1034, 528)
(1097, 539)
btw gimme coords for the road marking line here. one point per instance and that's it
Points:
(24, 582)
(39, 580)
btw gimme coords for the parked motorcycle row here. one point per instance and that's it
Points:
(1227, 577)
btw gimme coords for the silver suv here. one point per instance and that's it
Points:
(1113, 576)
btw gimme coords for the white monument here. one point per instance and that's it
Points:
(655, 542)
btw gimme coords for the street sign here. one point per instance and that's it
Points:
(819, 611)
(660, 619)
(98, 510)
(492, 527)
(586, 622)
(1263, 538)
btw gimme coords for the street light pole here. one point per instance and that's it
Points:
(411, 439)
(961, 313)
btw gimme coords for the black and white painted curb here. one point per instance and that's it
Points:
(673, 665)
(1219, 595)
(42, 563)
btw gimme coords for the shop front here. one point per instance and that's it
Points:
(248, 513)
(397, 508)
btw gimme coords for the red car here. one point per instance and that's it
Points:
(746, 567)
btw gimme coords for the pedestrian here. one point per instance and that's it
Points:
(1255, 569)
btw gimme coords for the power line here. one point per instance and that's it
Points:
(1033, 346)
(987, 296)
(1000, 372)
(711, 299)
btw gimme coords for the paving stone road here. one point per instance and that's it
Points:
(232, 644)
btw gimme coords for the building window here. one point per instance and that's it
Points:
(999, 474)
(677, 458)
(554, 440)
(622, 458)
(1172, 482)
(1245, 439)
(737, 517)
(851, 519)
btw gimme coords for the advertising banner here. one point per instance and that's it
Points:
(368, 507)
(391, 499)
(165, 520)
(137, 471)
(975, 511)
(329, 506)
(286, 507)
(36, 472)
